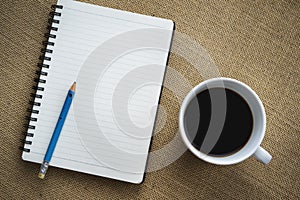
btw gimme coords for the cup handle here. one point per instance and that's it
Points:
(262, 155)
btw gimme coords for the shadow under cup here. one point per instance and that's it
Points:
(219, 106)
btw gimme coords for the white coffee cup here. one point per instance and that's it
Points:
(252, 147)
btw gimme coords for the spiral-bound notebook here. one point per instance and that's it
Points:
(118, 59)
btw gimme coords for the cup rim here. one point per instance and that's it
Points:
(199, 154)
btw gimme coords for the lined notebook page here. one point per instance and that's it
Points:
(109, 126)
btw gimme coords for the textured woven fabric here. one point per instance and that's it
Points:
(252, 41)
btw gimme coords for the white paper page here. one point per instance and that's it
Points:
(97, 137)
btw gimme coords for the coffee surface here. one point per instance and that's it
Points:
(231, 113)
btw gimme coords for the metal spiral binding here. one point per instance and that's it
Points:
(41, 74)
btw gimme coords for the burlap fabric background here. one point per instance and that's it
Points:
(254, 42)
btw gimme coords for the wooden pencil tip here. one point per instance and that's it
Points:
(73, 87)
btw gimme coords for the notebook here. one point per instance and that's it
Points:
(118, 60)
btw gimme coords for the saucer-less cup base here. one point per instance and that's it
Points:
(252, 147)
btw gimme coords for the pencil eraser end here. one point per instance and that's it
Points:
(41, 176)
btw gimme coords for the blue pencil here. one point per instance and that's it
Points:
(57, 130)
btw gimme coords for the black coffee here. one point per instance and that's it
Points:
(204, 124)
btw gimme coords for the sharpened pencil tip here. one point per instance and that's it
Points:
(73, 87)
